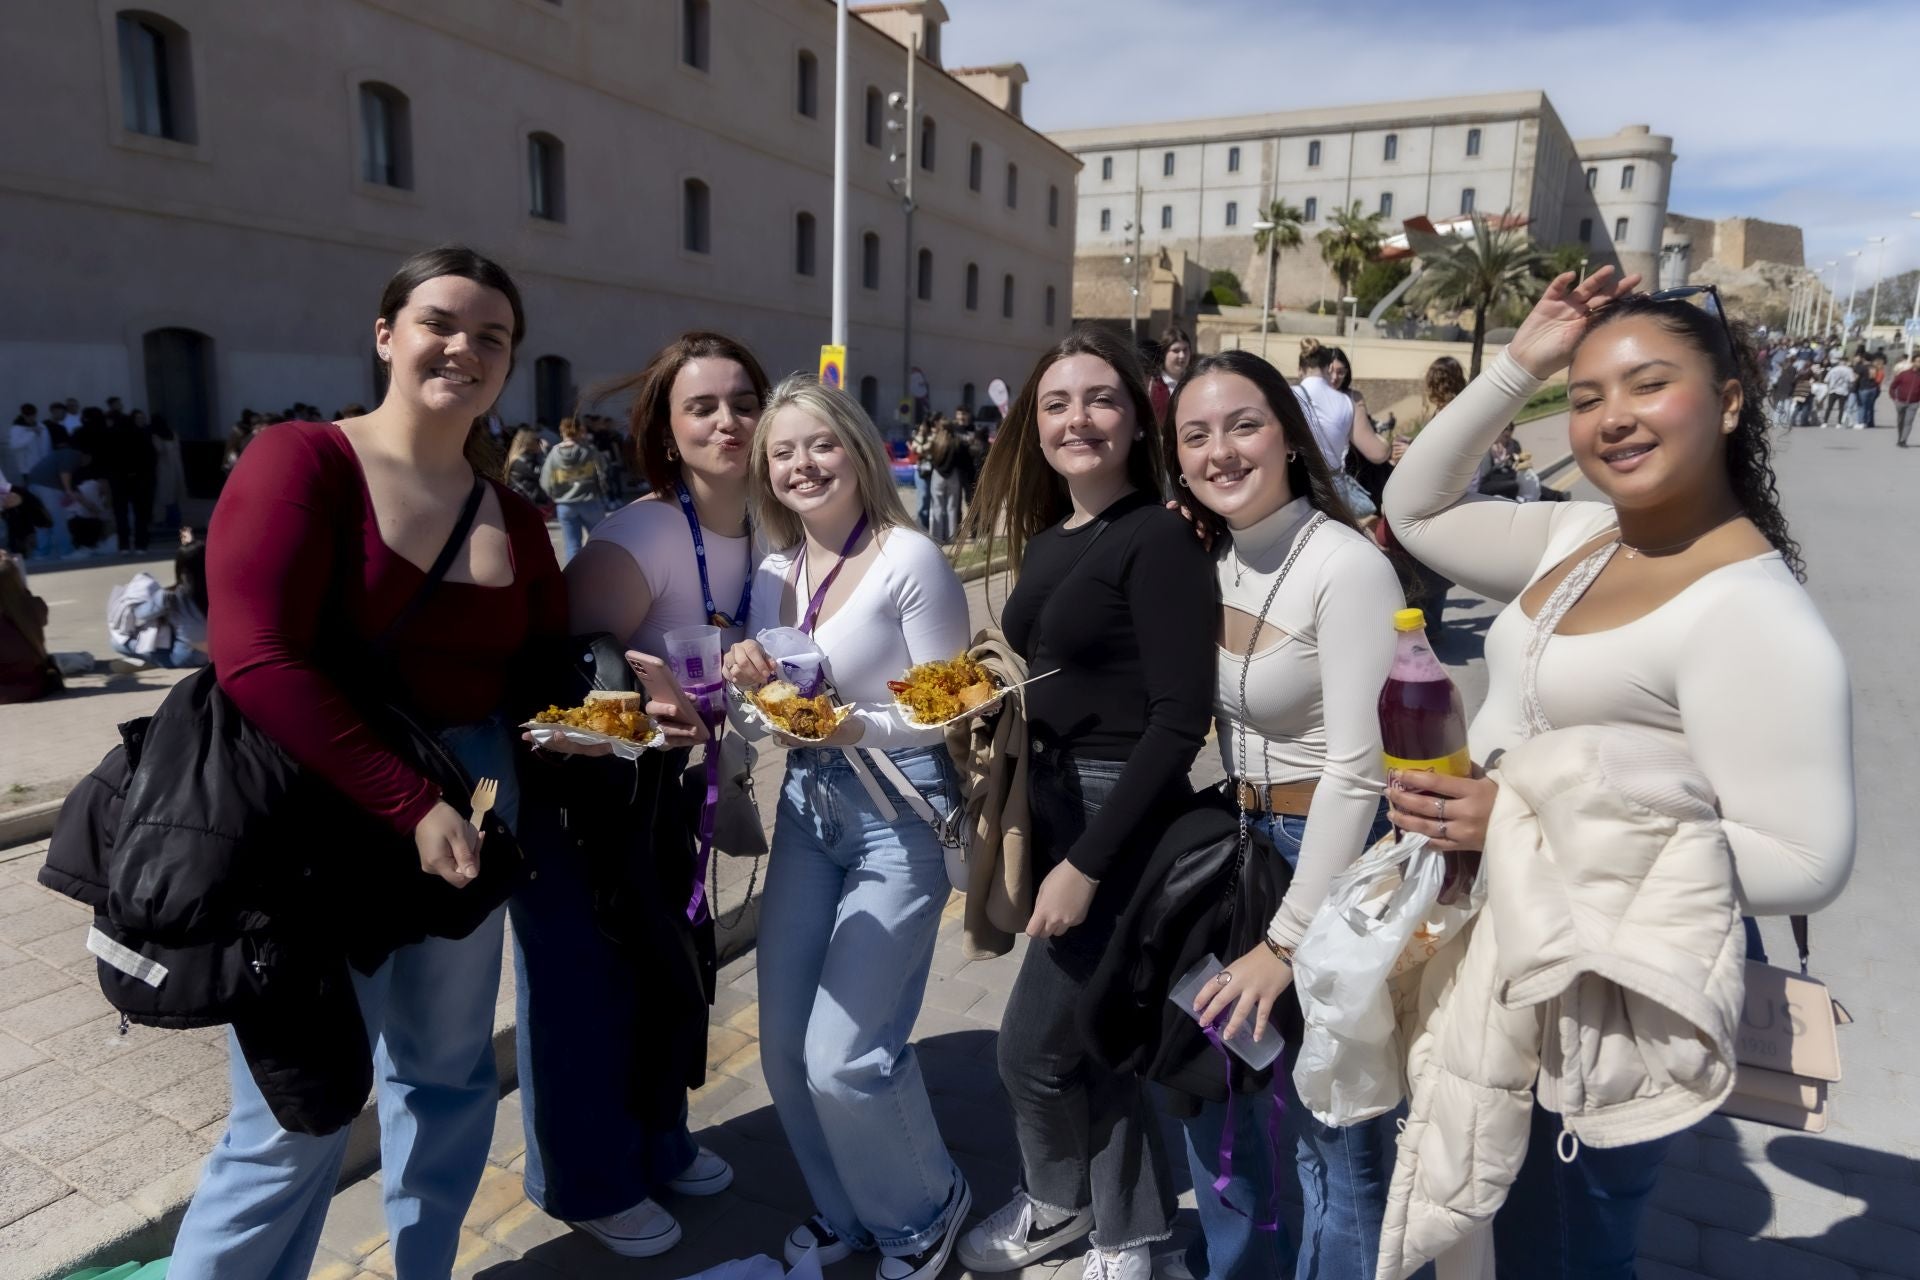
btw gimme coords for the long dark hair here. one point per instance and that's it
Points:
(1749, 449)
(650, 420)
(1307, 472)
(468, 264)
(1019, 494)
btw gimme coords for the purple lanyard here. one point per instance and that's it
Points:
(1220, 1184)
(714, 616)
(811, 617)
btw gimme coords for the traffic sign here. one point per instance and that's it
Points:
(997, 392)
(833, 366)
(1912, 327)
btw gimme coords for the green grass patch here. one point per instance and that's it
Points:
(1544, 403)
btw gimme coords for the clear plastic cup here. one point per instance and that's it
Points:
(1258, 1054)
(694, 655)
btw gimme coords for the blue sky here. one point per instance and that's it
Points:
(1805, 112)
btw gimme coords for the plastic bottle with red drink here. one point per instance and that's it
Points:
(1424, 726)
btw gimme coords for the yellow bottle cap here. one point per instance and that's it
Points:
(1409, 620)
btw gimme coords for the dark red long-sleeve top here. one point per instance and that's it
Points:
(299, 580)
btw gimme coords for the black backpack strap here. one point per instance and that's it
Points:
(443, 562)
(1800, 940)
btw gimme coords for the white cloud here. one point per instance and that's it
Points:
(1799, 114)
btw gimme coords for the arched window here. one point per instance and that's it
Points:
(973, 167)
(1013, 186)
(1310, 211)
(870, 395)
(1006, 296)
(1390, 149)
(1386, 204)
(870, 261)
(966, 396)
(803, 237)
(695, 17)
(696, 217)
(973, 287)
(1233, 213)
(1619, 229)
(1233, 159)
(1106, 168)
(806, 85)
(929, 134)
(156, 78)
(925, 282)
(1466, 200)
(876, 116)
(552, 389)
(546, 177)
(1049, 308)
(1313, 154)
(386, 136)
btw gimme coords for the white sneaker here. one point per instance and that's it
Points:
(814, 1234)
(1128, 1264)
(644, 1231)
(1172, 1265)
(1009, 1239)
(708, 1175)
(927, 1264)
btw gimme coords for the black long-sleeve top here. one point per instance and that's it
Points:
(1130, 626)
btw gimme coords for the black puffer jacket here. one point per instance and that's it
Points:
(1201, 894)
(231, 886)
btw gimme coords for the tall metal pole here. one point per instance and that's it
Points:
(1914, 320)
(1853, 287)
(1133, 301)
(1873, 311)
(906, 204)
(1826, 326)
(837, 329)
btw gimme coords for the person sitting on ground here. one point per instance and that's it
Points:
(163, 626)
(26, 669)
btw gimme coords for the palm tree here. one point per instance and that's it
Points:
(1348, 246)
(1283, 234)
(1495, 266)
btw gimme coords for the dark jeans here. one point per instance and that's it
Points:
(1086, 1135)
(132, 509)
(1577, 1220)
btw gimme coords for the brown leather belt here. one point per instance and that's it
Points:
(1290, 798)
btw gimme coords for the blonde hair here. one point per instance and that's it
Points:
(525, 441)
(843, 416)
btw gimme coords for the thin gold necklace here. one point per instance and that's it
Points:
(1634, 552)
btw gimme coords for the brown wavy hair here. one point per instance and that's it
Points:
(1445, 380)
(1019, 494)
(650, 420)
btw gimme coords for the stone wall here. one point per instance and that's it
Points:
(1741, 242)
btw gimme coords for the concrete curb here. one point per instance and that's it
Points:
(29, 822)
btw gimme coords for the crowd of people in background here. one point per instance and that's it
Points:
(1817, 383)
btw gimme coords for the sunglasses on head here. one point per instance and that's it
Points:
(1710, 296)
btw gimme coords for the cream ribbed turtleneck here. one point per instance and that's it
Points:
(1313, 688)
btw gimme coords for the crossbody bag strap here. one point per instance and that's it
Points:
(469, 511)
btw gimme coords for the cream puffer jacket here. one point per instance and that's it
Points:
(1606, 970)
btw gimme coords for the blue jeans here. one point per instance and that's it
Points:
(1579, 1220)
(1863, 401)
(923, 487)
(179, 654)
(264, 1192)
(1344, 1170)
(847, 927)
(576, 522)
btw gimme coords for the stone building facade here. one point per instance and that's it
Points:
(203, 199)
(1199, 185)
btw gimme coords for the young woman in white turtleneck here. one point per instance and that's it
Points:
(1312, 598)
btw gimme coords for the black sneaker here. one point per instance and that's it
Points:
(927, 1264)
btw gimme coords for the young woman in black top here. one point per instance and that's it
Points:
(1116, 593)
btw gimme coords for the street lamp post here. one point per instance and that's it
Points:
(1853, 289)
(1133, 259)
(904, 103)
(1913, 321)
(1873, 310)
(837, 330)
(1266, 291)
(1826, 326)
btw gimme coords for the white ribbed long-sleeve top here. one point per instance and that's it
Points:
(1738, 670)
(1312, 686)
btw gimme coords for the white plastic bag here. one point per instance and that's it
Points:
(1382, 918)
(797, 658)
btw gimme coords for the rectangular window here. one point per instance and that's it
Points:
(869, 261)
(1310, 212)
(696, 214)
(1390, 149)
(694, 15)
(1313, 154)
(546, 177)
(1233, 159)
(807, 85)
(1586, 231)
(384, 142)
(1006, 297)
(1106, 219)
(973, 167)
(1166, 165)
(803, 244)
(1593, 179)
(1013, 186)
(1619, 230)
(973, 287)
(146, 81)
(1626, 177)
(1473, 142)
(1386, 204)
(1466, 200)
(1053, 206)
(1106, 168)
(1233, 213)
(1049, 309)
(1166, 217)
(876, 116)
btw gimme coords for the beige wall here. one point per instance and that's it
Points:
(261, 234)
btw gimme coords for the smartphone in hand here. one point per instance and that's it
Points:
(679, 715)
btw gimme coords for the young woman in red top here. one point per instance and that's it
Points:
(323, 535)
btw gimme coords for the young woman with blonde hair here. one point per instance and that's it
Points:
(857, 874)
